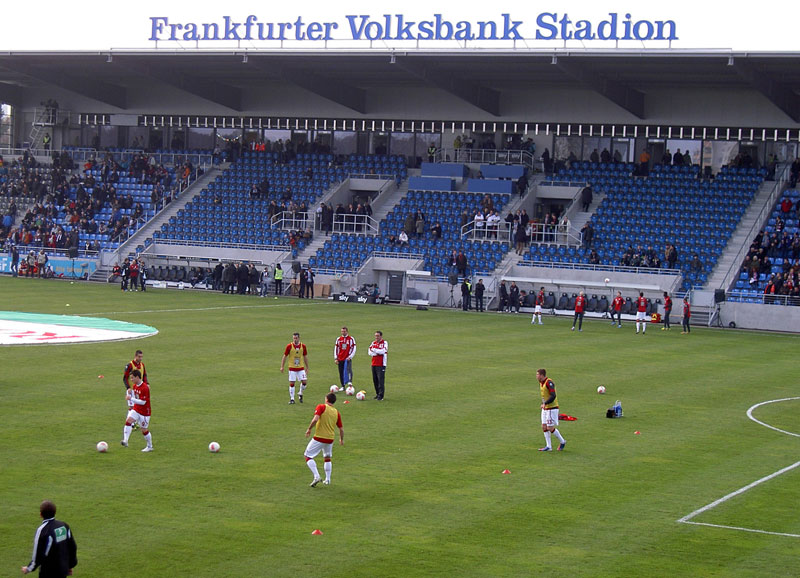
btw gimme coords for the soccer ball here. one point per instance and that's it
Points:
(350, 390)
(601, 389)
(213, 447)
(361, 395)
(607, 280)
(334, 388)
(102, 447)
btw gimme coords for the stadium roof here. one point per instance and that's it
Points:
(478, 77)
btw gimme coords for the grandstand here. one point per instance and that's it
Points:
(266, 178)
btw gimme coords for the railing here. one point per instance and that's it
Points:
(291, 221)
(483, 231)
(485, 156)
(766, 299)
(561, 234)
(606, 268)
(358, 224)
(214, 244)
(82, 154)
(766, 209)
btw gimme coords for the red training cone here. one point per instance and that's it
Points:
(637, 432)
(316, 533)
(506, 471)
(100, 376)
(347, 401)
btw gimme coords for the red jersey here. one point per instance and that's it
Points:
(379, 352)
(142, 393)
(641, 304)
(580, 303)
(345, 348)
(133, 270)
(540, 298)
(667, 303)
(687, 312)
(617, 303)
(130, 367)
(329, 418)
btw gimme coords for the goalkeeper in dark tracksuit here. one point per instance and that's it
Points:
(54, 549)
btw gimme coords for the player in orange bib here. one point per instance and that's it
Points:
(326, 419)
(547, 389)
(297, 354)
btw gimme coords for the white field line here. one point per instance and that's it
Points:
(686, 519)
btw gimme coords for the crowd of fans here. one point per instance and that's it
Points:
(760, 259)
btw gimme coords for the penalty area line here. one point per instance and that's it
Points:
(742, 529)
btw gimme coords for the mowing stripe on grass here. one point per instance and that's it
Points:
(190, 309)
(686, 519)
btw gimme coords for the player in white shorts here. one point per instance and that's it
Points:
(549, 406)
(537, 310)
(297, 354)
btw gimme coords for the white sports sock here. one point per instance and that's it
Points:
(327, 467)
(302, 388)
(149, 439)
(558, 435)
(312, 465)
(547, 439)
(126, 432)
(291, 392)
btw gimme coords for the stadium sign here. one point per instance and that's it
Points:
(546, 26)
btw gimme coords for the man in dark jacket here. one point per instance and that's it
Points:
(54, 549)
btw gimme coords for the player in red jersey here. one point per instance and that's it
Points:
(140, 413)
(537, 310)
(641, 312)
(616, 309)
(667, 311)
(135, 363)
(687, 314)
(379, 352)
(580, 307)
(343, 352)
(298, 366)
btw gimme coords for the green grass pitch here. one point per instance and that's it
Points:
(417, 489)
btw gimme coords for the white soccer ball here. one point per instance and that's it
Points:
(607, 280)
(102, 447)
(350, 390)
(213, 447)
(334, 389)
(361, 395)
(601, 389)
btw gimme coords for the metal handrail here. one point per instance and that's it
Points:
(561, 234)
(605, 268)
(497, 232)
(767, 207)
(358, 224)
(763, 299)
(291, 221)
(491, 156)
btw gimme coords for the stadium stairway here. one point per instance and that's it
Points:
(146, 232)
(386, 205)
(742, 235)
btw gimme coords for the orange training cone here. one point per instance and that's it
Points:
(316, 533)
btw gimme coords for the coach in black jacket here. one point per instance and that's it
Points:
(54, 549)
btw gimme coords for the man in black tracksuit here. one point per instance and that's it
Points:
(54, 549)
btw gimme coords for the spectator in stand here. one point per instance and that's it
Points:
(586, 197)
(520, 238)
(587, 234)
(677, 158)
(594, 258)
(594, 157)
(461, 263)
(605, 156)
(479, 224)
(403, 239)
(436, 231)
(696, 266)
(666, 158)
(419, 225)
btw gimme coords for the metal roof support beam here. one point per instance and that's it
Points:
(216, 92)
(627, 98)
(104, 92)
(776, 92)
(486, 99)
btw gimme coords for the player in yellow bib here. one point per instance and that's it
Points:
(549, 411)
(326, 419)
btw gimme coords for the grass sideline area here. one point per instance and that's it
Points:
(417, 489)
